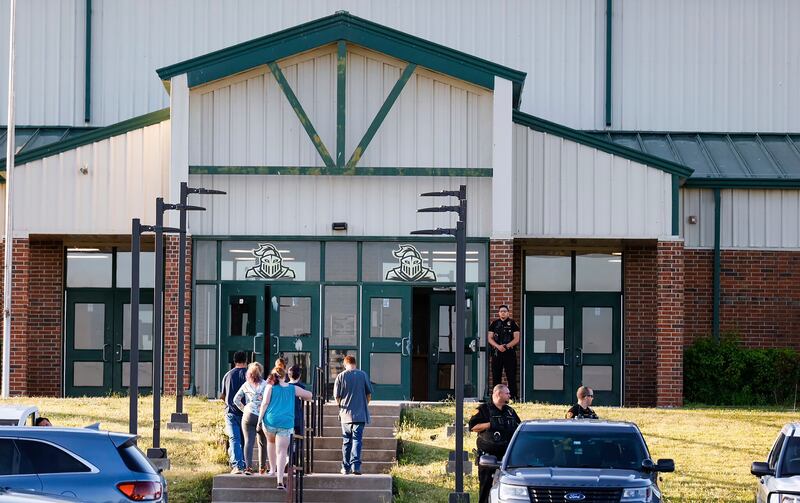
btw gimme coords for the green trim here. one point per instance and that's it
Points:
(676, 205)
(344, 26)
(744, 183)
(323, 171)
(609, 27)
(717, 266)
(341, 101)
(92, 136)
(296, 237)
(568, 133)
(87, 91)
(381, 115)
(301, 114)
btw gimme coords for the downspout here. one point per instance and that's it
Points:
(717, 267)
(87, 99)
(609, 4)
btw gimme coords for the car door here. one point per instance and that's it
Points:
(59, 471)
(765, 483)
(16, 472)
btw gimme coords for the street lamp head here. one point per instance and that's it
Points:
(202, 190)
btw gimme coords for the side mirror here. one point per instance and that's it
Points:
(648, 466)
(665, 465)
(488, 461)
(760, 469)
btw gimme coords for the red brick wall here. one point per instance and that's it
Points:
(639, 263)
(20, 288)
(45, 318)
(171, 281)
(669, 324)
(504, 288)
(698, 293)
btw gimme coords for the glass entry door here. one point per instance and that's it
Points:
(573, 339)
(441, 371)
(243, 323)
(386, 340)
(294, 326)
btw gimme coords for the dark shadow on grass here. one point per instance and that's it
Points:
(425, 417)
(416, 453)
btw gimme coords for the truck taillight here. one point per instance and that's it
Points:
(141, 490)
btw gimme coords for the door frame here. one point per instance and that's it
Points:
(278, 345)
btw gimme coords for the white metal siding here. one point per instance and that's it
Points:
(565, 189)
(125, 175)
(697, 203)
(307, 205)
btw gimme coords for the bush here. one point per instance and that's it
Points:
(725, 373)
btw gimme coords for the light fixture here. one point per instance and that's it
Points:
(339, 226)
(692, 219)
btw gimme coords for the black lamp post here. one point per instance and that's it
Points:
(460, 233)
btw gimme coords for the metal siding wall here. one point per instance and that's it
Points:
(307, 205)
(760, 219)
(698, 203)
(566, 189)
(126, 174)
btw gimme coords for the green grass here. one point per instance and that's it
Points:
(712, 449)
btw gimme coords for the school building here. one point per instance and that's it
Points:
(632, 171)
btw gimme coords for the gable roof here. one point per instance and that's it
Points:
(746, 160)
(343, 26)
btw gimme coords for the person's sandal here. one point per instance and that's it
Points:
(248, 471)
(281, 487)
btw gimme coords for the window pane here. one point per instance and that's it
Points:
(303, 360)
(597, 330)
(598, 272)
(88, 269)
(147, 269)
(9, 459)
(89, 327)
(205, 259)
(295, 316)
(548, 273)
(205, 370)
(548, 377)
(271, 260)
(145, 374)
(548, 329)
(341, 315)
(242, 315)
(384, 368)
(205, 314)
(145, 326)
(447, 328)
(445, 377)
(421, 261)
(386, 317)
(46, 458)
(598, 377)
(336, 361)
(87, 374)
(341, 261)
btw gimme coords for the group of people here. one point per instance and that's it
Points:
(267, 410)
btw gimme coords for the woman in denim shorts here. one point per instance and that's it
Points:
(277, 415)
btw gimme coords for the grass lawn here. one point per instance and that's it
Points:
(712, 447)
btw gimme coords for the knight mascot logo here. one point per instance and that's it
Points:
(410, 268)
(269, 264)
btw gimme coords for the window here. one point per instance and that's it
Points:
(791, 457)
(624, 451)
(46, 458)
(9, 458)
(775, 453)
(134, 459)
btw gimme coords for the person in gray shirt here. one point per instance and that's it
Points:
(352, 391)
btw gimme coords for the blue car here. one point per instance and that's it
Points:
(86, 464)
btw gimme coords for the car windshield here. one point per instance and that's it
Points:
(565, 449)
(791, 457)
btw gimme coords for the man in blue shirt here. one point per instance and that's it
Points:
(231, 383)
(352, 391)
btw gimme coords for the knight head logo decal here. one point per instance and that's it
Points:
(411, 267)
(269, 264)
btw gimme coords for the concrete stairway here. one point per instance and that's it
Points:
(326, 484)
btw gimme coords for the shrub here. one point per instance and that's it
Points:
(726, 373)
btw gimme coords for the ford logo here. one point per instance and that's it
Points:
(575, 497)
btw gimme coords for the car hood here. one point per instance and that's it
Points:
(785, 484)
(575, 477)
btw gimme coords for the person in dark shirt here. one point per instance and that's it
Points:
(231, 382)
(299, 423)
(495, 423)
(582, 409)
(504, 337)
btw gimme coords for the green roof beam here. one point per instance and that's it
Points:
(341, 101)
(318, 170)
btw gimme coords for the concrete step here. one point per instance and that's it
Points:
(309, 495)
(369, 443)
(369, 431)
(366, 466)
(374, 421)
(326, 481)
(374, 409)
(366, 455)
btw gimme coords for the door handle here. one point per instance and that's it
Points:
(105, 347)
(579, 357)
(274, 339)
(259, 335)
(566, 357)
(404, 346)
(119, 353)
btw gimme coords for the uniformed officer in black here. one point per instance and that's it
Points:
(495, 423)
(582, 409)
(504, 338)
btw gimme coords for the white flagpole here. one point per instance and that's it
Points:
(10, 146)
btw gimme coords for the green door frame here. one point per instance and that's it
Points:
(435, 393)
(562, 359)
(122, 355)
(287, 345)
(252, 340)
(397, 344)
(613, 359)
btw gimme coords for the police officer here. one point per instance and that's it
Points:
(504, 338)
(582, 409)
(495, 423)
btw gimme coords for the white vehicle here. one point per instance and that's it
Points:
(779, 477)
(18, 415)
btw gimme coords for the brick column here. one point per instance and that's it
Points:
(171, 271)
(502, 289)
(20, 289)
(639, 326)
(45, 318)
(669, 323)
